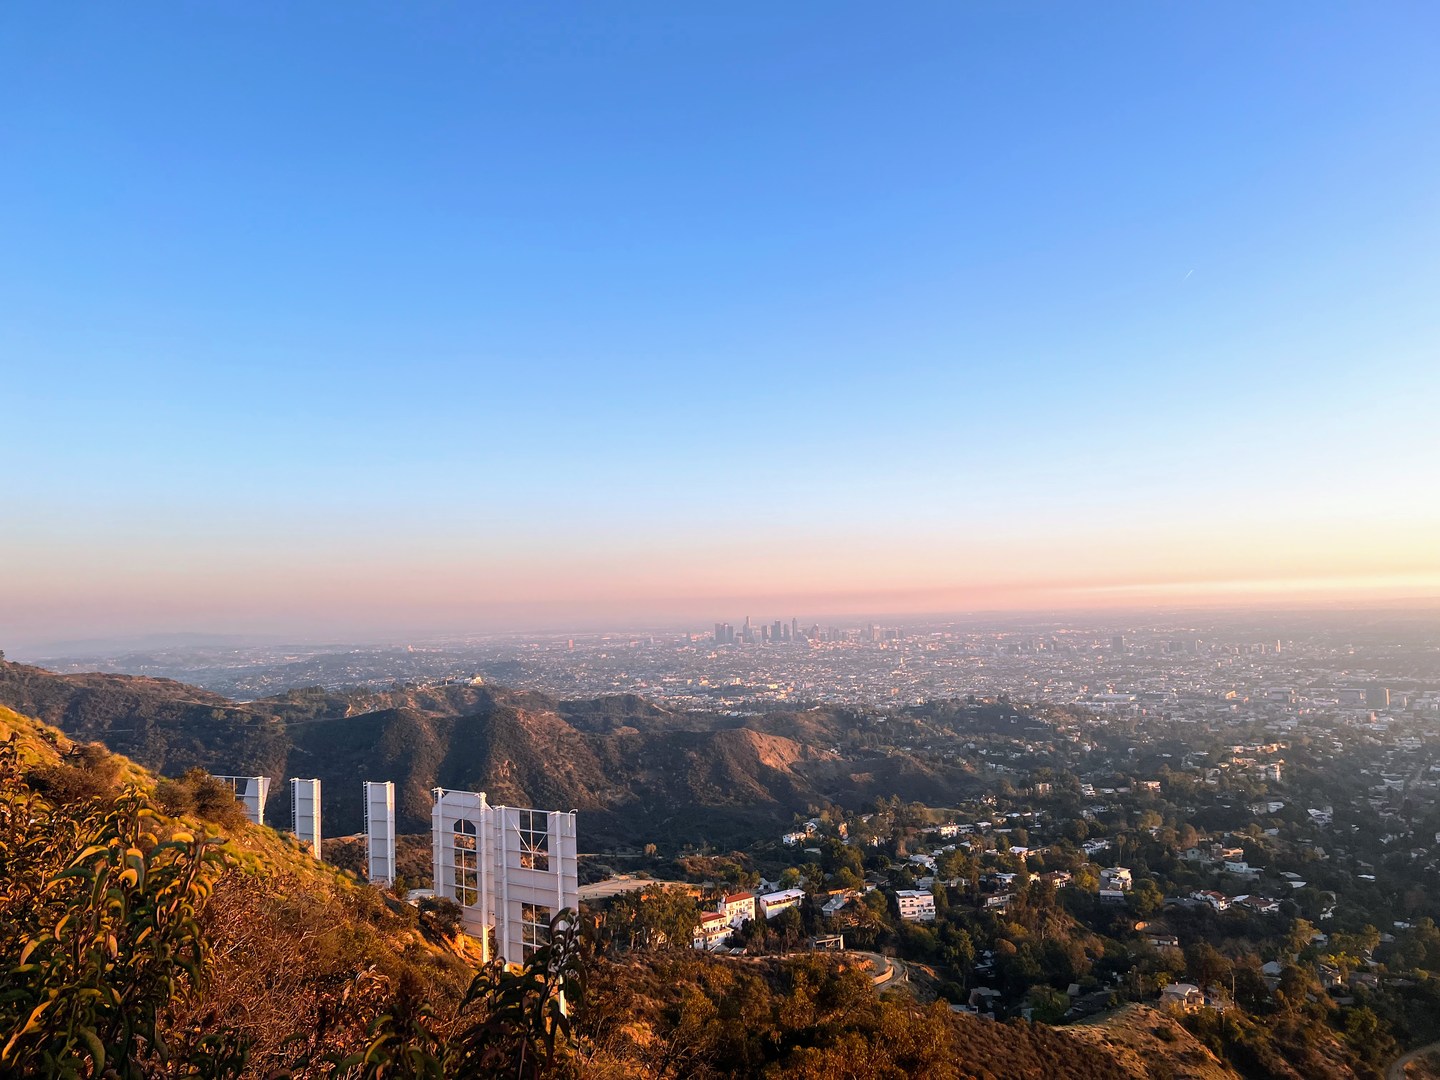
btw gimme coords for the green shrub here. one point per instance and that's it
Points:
(100, 919)
(198, 794)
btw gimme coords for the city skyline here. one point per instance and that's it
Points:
(466, 319)
(853, 627)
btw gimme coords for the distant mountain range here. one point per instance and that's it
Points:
(636, 772)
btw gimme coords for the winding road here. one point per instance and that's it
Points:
(1397, 1067)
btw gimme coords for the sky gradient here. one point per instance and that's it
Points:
(383, 318)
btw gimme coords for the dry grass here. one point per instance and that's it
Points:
(1143, 1040)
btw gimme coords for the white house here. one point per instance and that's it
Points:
(916, 905)
(1217, 900)
(1186, 995)
(1259, 904)
(738, 908)
(712, 930)
(772, 904)
(1116, 877)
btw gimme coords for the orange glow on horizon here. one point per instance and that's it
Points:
(444, 582)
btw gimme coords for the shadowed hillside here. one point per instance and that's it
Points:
(638, 772)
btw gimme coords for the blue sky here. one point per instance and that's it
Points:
(634, 304)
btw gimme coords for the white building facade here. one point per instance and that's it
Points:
(738, 908)
(712, 930)
(916, 905)
(772, 904)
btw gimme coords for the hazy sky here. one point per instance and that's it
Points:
(361, 317)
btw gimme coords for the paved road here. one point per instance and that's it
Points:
(886, 970)
(602, 890)
(1397, 1067)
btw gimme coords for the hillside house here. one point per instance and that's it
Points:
(712, 931)
(738, 908)
(772, 904)
(1259, 904)
(1116, 878)
(916, 905)
(1186, 996)
(1218, 901)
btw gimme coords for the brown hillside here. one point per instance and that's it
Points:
(637, 773)
(1138, 1037)
(810, 1019)
(290, 936)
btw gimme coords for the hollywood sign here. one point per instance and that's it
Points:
(510, 869)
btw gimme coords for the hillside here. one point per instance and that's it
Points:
(1139, 1036)
(808, 1018)
(282, 938)
(639, 773)
(164, 725)
(296, 965)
